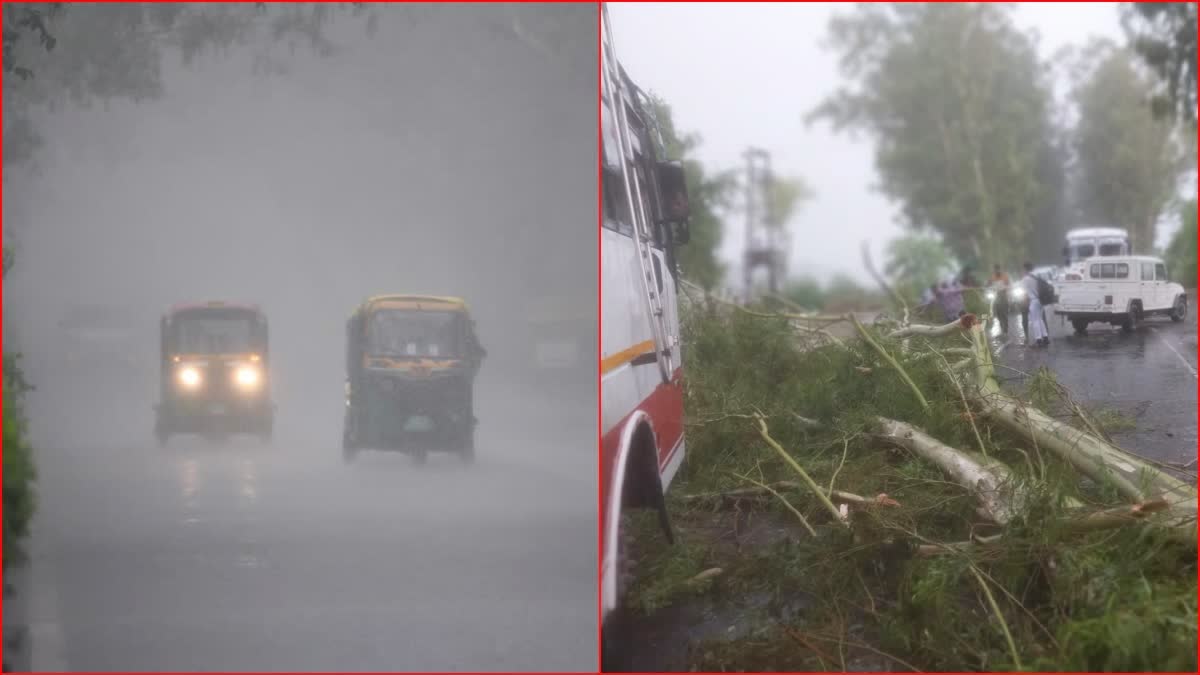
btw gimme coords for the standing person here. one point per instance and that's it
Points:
(999, 282)
(950, 296)
(967, 280)
(1037, 336)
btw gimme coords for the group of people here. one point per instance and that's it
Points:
(948, 295)
(1033, 314)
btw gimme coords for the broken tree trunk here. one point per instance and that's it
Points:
(991, 481)
(1135, 479)
(962, 325)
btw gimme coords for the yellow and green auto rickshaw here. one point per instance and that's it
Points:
(411, 362)
(214, 375)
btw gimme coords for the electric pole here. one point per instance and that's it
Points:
(764, 240)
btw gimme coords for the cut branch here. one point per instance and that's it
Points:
(989, 480)
(963, 324)
(892, 361)
(812, 485)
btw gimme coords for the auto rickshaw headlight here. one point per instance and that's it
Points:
(246, 377)
(189, 377)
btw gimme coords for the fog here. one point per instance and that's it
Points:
(442, 156)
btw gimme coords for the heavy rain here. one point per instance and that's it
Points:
(300, 159)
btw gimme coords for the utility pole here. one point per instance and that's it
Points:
(764, 246)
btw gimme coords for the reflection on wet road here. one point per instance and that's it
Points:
(1149, 376)
(252, 557)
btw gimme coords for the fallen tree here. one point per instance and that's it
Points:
(969, 525)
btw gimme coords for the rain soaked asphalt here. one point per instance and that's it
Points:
(251, 557)
(1149, 376)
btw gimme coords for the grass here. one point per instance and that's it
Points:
(1042, 597)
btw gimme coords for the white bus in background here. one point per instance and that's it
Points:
(1088, 242)
(644, 220)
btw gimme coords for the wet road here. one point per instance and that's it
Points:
(249, 557)
(1149, 376)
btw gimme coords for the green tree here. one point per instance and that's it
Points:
(805, 292)
(786, 195)
(1181, 253)
(708, 195)
(916, 262)
(83, 53)
(1164, 35)
(19, 470)
(1128, 160)
(843, 293)
(957, 101)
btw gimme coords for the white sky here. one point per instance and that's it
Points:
(742, 74)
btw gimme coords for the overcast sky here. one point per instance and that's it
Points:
(743, 74)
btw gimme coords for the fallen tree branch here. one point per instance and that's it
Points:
(1012, 645)
(812, 485)
(892, 361)
(989, 480)
(794, 510)
(964, 323)
(1134, 479)
(762, 490)
(1108, 519)
(866, 254)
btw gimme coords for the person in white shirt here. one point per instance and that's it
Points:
(1038, 336)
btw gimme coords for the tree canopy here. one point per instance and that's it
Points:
(1128, 160)
(708, 195)
(956, 99)
(1164, 35)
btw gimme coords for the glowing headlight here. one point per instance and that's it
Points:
(189, 377)
(246, 377)
(991, 295)
(1018, 293)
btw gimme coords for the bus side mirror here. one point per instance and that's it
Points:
(672, 185)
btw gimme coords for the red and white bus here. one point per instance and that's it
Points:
(644, 205)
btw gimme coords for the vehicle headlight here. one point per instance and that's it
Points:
(991, 295)
(1018, 293)
(246, 377)
(189, 377)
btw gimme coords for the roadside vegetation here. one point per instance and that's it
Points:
(872, 498)
(19, 470)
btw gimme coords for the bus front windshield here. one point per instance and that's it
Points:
(215, 335)
(414, 334)
(1082, 251)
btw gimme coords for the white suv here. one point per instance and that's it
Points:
(1121, 291)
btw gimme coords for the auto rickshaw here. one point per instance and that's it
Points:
(214, 373)
(411, 362)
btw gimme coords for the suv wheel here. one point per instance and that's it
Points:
(1179, 311)
(1132, 319)
(1080, 326)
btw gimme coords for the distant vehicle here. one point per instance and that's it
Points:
(411, 362)
(1089, 242)
(563, 344)
(98, 337)
(214, 372)
(1121, 291)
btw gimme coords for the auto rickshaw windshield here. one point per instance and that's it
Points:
(414, 334)
(214, 335)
